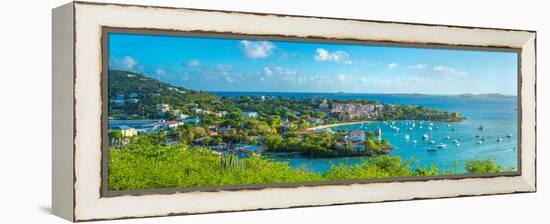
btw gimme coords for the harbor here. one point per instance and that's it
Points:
(489, 131)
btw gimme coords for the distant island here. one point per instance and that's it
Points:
(491, 95)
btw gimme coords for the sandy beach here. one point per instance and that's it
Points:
(334, 125)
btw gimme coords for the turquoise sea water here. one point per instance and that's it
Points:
(498, 116)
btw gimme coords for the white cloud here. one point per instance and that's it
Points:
(418, 66)
(336, 56)
(192, 63)
(160, 71)
(444, 69)
(392, 65)
(256, 49)
(124, 63)
(448, 70)
(129, 62)
(285, 71)
(341, 77)
(268, 71)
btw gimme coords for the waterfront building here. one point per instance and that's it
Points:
(353, 110)
(356, 136)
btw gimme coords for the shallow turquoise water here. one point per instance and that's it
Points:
(498, 116)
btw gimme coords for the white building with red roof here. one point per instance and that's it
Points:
(356, 136)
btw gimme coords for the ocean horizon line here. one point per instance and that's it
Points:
(365, 93)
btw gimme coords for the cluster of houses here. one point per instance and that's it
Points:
(357, 140)
(131, 128)
(356, 110)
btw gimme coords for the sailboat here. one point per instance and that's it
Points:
(407, 137)
(425, 137)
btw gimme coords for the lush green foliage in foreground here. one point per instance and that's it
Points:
(180, 166)
(143, 165)
(484, 166)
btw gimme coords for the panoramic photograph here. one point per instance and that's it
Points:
(192, 111)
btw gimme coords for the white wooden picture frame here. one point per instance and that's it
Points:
(78, 29)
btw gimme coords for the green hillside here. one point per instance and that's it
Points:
(129, 87)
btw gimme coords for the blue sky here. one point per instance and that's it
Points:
(214, 64)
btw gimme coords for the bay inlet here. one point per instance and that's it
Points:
(458, 141)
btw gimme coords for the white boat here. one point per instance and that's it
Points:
(455, 141)
(499, 139)
(448, 125)
(407, 137)
(483, 139)
(432, 142)
(479, 142)
(414, 141)
(425, 137)
(457, 144)
(441, 146)
(509, 135)
(410, 129)
(447, 137)
(431, 124)
(430, 128)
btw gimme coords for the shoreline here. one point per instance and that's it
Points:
(335, 125)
